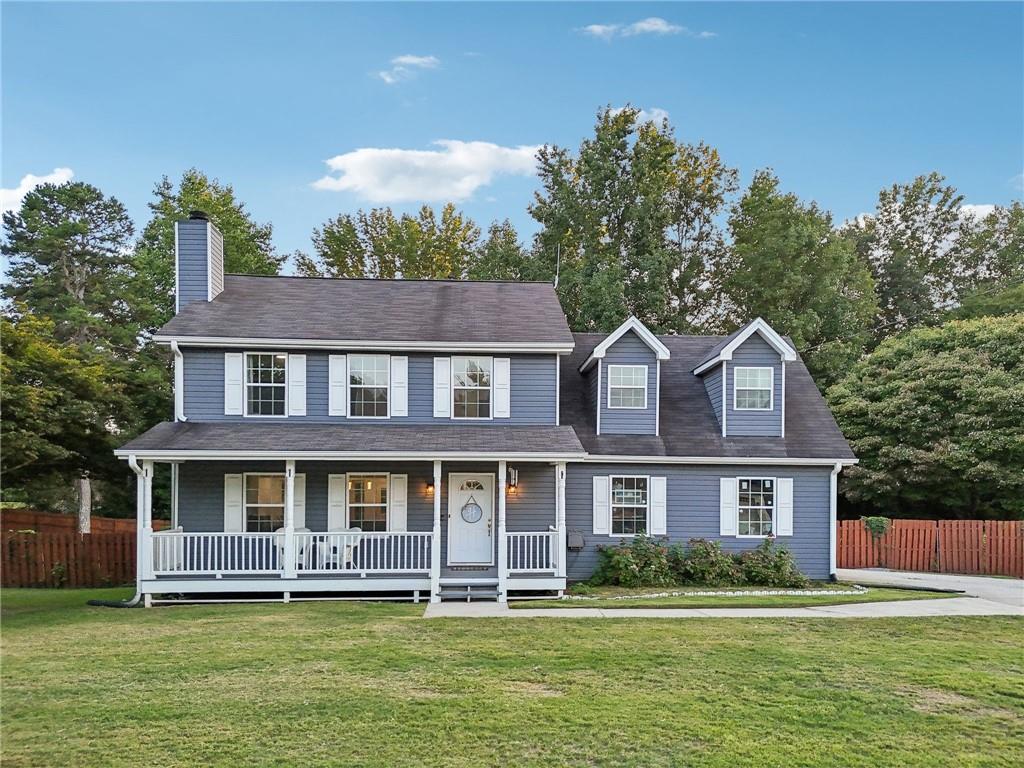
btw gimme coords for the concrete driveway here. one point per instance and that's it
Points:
(997, 590)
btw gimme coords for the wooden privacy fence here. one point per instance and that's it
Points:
(67, 559)
(52, 522)
(948, 546)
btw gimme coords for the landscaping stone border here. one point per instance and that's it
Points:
(856, 589)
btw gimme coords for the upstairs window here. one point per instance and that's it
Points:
(471, 387)
(265, 387)
(753, 389)
(629, 505)
(627, 386)
(368, 386)
(368, 502)
(264, 503)
(756, 506)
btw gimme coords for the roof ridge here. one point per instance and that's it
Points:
(393, 279)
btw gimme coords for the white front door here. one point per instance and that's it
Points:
(470, 519)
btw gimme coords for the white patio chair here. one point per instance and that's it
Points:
(329, 556)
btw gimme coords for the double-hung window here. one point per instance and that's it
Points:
(471, 387)
(753, 389)
(264, 503)
(368, 386)
(265, 384)
(368, 502)
(630, 506)
(756, 506)
(627, 386)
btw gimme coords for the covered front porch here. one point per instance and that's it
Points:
(398, 527)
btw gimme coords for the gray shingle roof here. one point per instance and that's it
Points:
(174, 437)
(688, 423)
(447, 311)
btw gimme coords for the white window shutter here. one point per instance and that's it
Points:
(659, 506)
(784, 506)
(234, 384)
(502, 387)
(399, 386)
(602, 505)
(234, 519)
(337, 490)
(442, 387)
(398, 503)
(727, 507)
(337, 387)
(299, 502)
(296, 385)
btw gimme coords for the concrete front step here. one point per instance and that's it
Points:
(469, 592)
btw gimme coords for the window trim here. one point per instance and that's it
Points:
(612, 505)
(775, 508)
(490, 388)
(608, 400)
(246, 385)
(387, 504)
(349, 385)
(771, 387)
(245, 501)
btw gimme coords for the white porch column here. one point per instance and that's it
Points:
(560, 518)
(502, 543)
(289, 519)
(147, 519)
(435, 541)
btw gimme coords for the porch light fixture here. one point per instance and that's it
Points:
(430, 487)
(513, 480)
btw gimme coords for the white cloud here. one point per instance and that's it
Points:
(453, 172)
(404, 67)
(978, 211)
(11, 198)
(652, 25)
(655, 114)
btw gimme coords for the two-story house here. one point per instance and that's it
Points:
(440, 438)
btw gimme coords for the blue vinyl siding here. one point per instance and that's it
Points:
(192, 262)
(713, 385)
(629, 350)
(533, 396)
(531, 508)
(755, 352)
(693, 510)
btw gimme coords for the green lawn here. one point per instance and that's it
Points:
(872, 595)
(375, 685)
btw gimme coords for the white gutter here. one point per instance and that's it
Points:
(179, 383)
(767, 460)
(363, 344)
(833, 492)
(179, 455)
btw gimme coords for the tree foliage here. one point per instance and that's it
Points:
(936, 417)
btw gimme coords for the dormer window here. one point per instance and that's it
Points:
(753, 389)
(627, 386)
(265, 384)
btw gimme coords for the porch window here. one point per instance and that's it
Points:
(630, 505)
(265, 384)
(756, 506)
(368, 502)
(627, 386)
(368, 386)
(753, 389)
(471, 387)
(264, 503)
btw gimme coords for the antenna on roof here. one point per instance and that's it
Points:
(558, 262)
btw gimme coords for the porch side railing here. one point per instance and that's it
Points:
(532, 551)
(180, 552)
(363, 552)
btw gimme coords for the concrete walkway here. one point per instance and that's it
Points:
(1006, 591)
(954, 606)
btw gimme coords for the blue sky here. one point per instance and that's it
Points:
(839, 99)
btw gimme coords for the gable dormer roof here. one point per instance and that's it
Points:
(724, 349)
(641, 330)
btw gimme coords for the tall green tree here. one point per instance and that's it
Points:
(379, 244)
(630, 221)
(788, 265)
(248, 248)
(936, 417)
(501, 256)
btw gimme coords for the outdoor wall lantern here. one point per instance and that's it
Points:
(430, 487)
(513, 480)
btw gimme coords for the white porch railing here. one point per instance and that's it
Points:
(533, 551)
(179, 553)
(362, 553)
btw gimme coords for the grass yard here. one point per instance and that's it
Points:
(603, 599)
(374, 685)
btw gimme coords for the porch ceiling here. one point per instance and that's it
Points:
(243, 439)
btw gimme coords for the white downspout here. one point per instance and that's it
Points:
(179, 382)
(833, 491)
